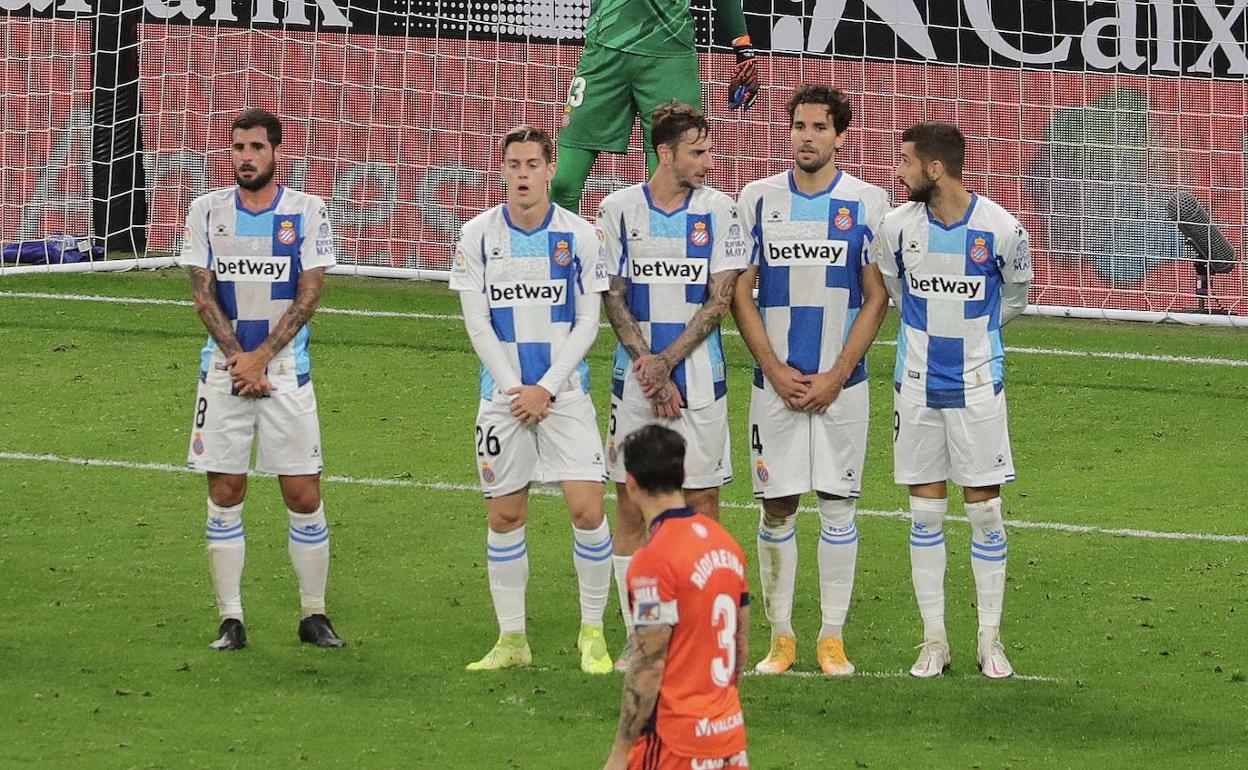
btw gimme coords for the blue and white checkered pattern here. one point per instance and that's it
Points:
(257, 257)
(668, 260)
(810, 251)
(949, 348)
(532, 280)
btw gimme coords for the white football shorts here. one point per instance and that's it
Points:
(708, 449)
(793, 452)
(286, 423)
(969, 445)
(566, 446)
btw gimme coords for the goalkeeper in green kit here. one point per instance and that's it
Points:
(638, 54)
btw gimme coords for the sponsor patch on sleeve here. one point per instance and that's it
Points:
(649, 609)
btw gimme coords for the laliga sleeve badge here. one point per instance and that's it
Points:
(699, 236)
(286, 235)
(843, 220)
(562, 254)
(979, 251)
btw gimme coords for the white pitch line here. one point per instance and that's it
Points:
(896, 675)
(1158, 358)
(547, 491)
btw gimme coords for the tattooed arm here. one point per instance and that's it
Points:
(248, 368)
(743, 638)
(204, 289)
(641, 689)
(622, 320)
(665, 397)
(653, 371)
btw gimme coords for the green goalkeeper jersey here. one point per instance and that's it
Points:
(660, 28)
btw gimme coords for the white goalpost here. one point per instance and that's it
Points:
(1115, 131)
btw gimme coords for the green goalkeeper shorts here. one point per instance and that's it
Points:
(611, 87)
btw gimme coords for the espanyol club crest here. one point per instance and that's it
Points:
(843, 219)
(197, 446)
(979, 251)
(563, 254)
(487, 473)
(699, 236)
(760, 470)
(287, 235)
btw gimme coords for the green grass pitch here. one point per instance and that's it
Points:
(1137, 645)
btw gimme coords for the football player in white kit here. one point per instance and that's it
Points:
(530, 282)
(257, 253)
(958, 268)
(673, 248)
(819, 308)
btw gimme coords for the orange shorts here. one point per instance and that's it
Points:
(649, 753)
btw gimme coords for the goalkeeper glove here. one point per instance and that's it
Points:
(743, 89)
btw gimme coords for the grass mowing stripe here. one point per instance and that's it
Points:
(1127, 356)
(449, 486)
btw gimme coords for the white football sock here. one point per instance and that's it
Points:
(838, 556)
(591, 555)
(988, 552)
(309, 554)
(620, 564)
(226, 550)
(927, 562)
(777, 569)
(507, 560)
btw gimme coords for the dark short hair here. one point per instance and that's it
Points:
(655, 456)
(938, 141)
(670, 121)
(258, 118)
(839, 108)
(527, 133)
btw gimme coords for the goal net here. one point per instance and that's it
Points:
(1114, 130)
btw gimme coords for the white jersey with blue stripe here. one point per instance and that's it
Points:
(810, 251)
(668, 260)
(949, 347)
(256, 257)
(532, 279)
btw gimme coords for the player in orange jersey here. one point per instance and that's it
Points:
(690, 605)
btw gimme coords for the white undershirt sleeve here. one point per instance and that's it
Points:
(1013, 301)
(485, 342)
(579, 341)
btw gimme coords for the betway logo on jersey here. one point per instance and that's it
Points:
(705, 727)
(520, 293)
(252, 269)
(958, 287)
(669, 270)
(806, 253)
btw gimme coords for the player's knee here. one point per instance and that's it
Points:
(506, 519)
(985, 516)
(227, 491)
(587, 518)
(837, 513)
(928, 513)
(703, 501)
(305, 500)
(779, 511)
